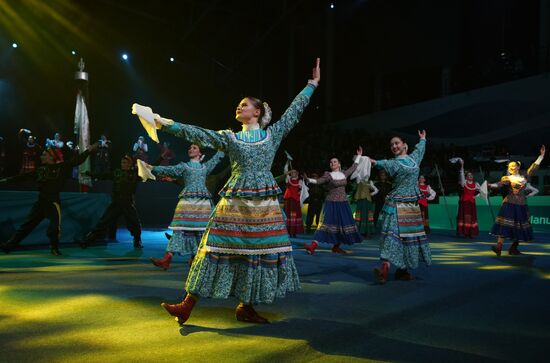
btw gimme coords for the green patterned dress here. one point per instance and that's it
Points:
(245, 251)
(404, 242)
(194, 206)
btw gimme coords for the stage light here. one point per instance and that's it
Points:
(73, 52)
(14, 45)
(332, 5)
(172, 59)
(124, 56)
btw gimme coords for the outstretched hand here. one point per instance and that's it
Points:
(316, 73)
(422, 134)
(93, 147)
(542, 150)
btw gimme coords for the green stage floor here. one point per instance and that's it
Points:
(103, 305)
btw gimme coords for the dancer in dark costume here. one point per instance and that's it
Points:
(51, 177)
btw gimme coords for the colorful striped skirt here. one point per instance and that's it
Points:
(404, 242)
(336, 225)
(466, 220)
(245, 252)
(191, 214)
(293, 211)
(513, 222)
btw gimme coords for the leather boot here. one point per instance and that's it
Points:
(181, 311)
(514, 249)
(247, 313)
(54, 248)
(163, 263)
(381, 274)
(311, 247)
(497, 249)
(403, 275)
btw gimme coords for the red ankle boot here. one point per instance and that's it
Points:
(514, 249)
(403, 275)
(247, 313)
(311, 248)
(381, 274)
(181, 311)
(163, 263)
(497, 249)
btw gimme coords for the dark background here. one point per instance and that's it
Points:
(376, 55)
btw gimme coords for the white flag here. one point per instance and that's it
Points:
(82, 131)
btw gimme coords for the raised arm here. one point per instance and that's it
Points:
(292, 115)
(206, 138)
(534, 167)
(214, 160)
(419, 149)
(173, 171)
(461, 178)
(322, 180)
(80, 158)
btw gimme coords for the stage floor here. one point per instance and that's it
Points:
(103, 305)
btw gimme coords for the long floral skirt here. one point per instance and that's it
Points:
(184, 242)
(245, 252)
(404, 242)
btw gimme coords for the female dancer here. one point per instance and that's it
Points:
(427, 194)
(404, 242)
(337, 225)
(293, 205)
(513, 219)
(194, 205)
(466, 220)
(245, 251)
(363, 215)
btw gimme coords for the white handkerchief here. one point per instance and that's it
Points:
(362, 173)
(144, 170)
(147, 118)
(484, 191)
(455, 160)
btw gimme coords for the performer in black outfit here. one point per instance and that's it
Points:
(51, 177)
(125, 182)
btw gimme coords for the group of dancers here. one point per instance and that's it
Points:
(241, 246)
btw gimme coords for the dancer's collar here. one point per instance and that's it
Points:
(251, 127)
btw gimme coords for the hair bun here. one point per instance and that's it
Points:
(266, 118)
